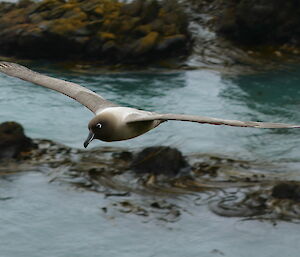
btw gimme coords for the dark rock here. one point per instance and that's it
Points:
(109, 47)
(157, 25)
(159, 160)
(171, 42)
(261, 22)
(133, 9)
(124, 155)
(143, 30)
(6, 7)
(147, 43)
(45, 6)
(13, 140)
(150, 11)
(287, 191)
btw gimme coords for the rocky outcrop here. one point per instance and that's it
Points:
(253, 22)
(13, 142)
(102, 30)
(243, 35)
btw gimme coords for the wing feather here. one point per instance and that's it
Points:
(209, 120)
(86, 97)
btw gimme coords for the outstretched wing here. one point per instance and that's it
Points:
(208, 120)
(88, 98)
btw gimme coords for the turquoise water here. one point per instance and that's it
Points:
(265, 97)
(54, 219)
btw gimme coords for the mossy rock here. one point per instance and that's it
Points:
(105, 36)
(146, 43)
(132, 9)
(110, 47)
(46, 5)
(15, 16)
(171, 42)
(66, 26)
(90, 29)
(150, 11)
(128, 23)
(144, 29)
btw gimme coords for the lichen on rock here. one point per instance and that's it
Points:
(88, 30)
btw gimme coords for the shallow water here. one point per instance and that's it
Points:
(48, 219)
(38, 218)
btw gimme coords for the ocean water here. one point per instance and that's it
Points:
(38, 218)
(272, 96)
(47, 219)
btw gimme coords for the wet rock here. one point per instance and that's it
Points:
(261, 22)
(171, 41)
(5, 7)
(150, 11)
(132, 9)
(124, 155)
(108, 31)
(287, 191)
(159, 160)
(13, 141)
(146, 43)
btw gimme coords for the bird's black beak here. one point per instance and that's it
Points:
(89, 139)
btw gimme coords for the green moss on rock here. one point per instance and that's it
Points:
(146, 43)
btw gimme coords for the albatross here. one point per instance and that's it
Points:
(113, 122)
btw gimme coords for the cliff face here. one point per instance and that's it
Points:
(102, 30)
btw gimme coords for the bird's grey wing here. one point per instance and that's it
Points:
(88, 98)
(208, 120)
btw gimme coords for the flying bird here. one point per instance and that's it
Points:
(113, 122)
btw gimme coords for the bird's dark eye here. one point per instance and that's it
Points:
(99, 125)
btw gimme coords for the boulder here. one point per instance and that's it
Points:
(159, 160)
(13, 141)
(255, 22)
(146, 43)
(287, 190)
(171, 42)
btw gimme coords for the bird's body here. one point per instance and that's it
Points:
(114, 125)
(113, 122)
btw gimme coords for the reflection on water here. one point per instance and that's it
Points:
(123, 87)
(275, 93)
(272, 96)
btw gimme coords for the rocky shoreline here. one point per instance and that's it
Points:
(259, 35)
(229, 187)
(107, 32)
(186, 34)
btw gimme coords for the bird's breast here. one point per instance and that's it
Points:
(120, 129)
